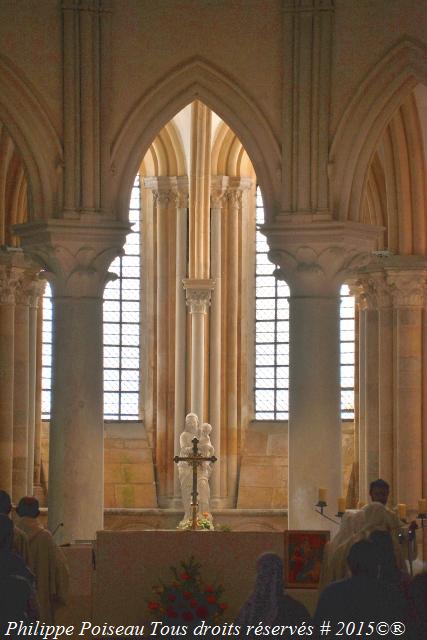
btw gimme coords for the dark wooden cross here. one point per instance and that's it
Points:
(194, 460)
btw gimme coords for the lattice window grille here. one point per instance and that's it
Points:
(272, 337)
(122, 324)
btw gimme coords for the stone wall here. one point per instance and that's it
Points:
(130, 474)
(264, 466)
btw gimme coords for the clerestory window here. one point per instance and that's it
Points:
(121, 329)
(272, 337)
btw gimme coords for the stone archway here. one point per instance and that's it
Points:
(197, 80)
(25, 118)
(364, 121)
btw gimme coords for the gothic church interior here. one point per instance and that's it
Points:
(263, 164)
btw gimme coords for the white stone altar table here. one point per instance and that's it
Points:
(130, 563)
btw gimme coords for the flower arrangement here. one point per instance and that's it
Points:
(187, 598)
(204, 523)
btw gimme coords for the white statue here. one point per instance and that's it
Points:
(185, 470)
(205, 469)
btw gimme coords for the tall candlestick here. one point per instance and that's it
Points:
(401, 509)
(322, 494)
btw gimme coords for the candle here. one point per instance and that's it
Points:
(341, 505)
(322, 494)
(401, 509)
(422, 505)
(360, 504)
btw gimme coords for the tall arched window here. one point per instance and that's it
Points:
(272, 338)
(121, 329)
(47, 352)
(122, 324)
(271, 333)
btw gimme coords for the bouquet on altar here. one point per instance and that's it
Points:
(187, 598)
(204, 523)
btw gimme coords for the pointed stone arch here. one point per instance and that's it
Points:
(196, 80)
(364, 121)
(165, 156)
(25, 118)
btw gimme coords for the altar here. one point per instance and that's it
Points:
(128, 564)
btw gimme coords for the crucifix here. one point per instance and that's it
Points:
(194, 460)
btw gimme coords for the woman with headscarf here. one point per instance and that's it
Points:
(268, 604)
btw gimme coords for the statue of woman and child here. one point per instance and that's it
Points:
(204, 470)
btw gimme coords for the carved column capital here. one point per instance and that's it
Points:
(198, 294)
(162, 197)
(372, 291)
(393, 280)
(8, 283)
(316, 256)
(166, 189)
(75, 255)
(408, 287)
(218, 199)
(181, 199)
(29, 289)
(17, 271)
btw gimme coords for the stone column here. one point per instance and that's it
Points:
(198, 296)
(8, 279)
(164, 434)
(25, 344)
(180, 322)
(408, 288)
(385, 377)
(394, 289)
(215, 342)
(376, 379)
(21, 392)
(232, 339)
(76, 255)
(315, 254)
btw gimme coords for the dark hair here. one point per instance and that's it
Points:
(379, 484)
(5, 502)
(383, 545)
(28, 506)
(362, 559)
(6, 531)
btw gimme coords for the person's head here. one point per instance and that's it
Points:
(362, 559)
(6, 531)
(205, 429)
(379, 490)
(191, 423)
(28, 507)
(269, 569)
(5, 503)
(383, 546)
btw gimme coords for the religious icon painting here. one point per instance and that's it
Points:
(303, 558)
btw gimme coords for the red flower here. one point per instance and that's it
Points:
(171, 612)
(185, 576)
(171, 597)
(187, 615)
(187, 595)
(223, 606)
(209, 589)
(153, 605)
(193, 603)
(211, 599)
(202, 612)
